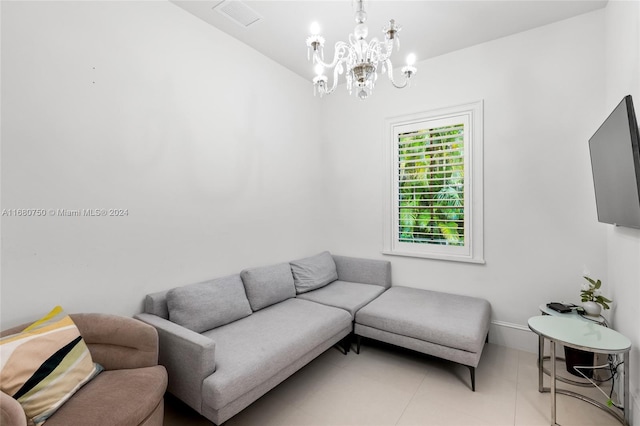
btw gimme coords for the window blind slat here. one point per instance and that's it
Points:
(454, 168)
(431, 241)
(428, 143)
(457, 206)
(428, 132)
(410, 188)
(423, 233)
(418, 180)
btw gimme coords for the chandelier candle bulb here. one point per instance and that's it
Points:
(359, 60)
(391, 33)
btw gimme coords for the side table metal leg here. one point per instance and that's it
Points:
(553, 382)
(627, 373)
(540, 365)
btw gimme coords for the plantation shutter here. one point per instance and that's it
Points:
(433, 202)
(431, 190)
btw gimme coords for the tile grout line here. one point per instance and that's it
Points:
(515, 402)
(412, 398)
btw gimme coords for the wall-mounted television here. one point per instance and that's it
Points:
(615, 163)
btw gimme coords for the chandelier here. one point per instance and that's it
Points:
(359, 60)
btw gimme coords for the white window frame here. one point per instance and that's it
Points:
(471, 114)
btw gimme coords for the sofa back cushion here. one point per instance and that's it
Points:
(365, 271)
(156, 304)
(313, 272)
(207, 305)
(267, 285)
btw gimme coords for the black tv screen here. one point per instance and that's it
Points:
(615, 163)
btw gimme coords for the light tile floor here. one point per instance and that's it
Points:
(385, 385)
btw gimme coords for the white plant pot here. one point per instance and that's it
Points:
(592, 308)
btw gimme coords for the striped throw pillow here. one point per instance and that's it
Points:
(45, 364)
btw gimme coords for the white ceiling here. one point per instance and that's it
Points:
(429, 27)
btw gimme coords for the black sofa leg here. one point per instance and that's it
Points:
(358, 340)
(344, 345)
(472, 370)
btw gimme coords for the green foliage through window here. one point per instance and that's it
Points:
(431, 186)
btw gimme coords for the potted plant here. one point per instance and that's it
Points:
(592, 300)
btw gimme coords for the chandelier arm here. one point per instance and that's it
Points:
(335, 80)
(371, 51)
(391, 79)
(386, 49)
(377, 54)
(320, 82)
(340, 49)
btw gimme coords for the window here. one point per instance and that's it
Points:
(434, 193)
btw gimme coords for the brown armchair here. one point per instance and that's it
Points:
(130, 390)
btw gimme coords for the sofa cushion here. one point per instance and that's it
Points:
(267, 285)
(117, 397)
(366, 271)
(156, 304)
(203, 306)
(45, 365)
(344, 295)
(251, 351)
(313, 272)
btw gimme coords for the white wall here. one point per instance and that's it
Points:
(124, 105)
(623, 244)
(138, 105)
(543, 93)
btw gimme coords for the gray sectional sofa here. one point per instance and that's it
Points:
(228, 341)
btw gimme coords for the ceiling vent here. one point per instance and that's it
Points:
(238, 12)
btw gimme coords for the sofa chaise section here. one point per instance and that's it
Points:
(444, 325)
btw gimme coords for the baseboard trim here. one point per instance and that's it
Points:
(512, 335)
(511, 325)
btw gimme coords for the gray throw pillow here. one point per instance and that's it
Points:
(267, 285)
(207, 305)
(313, 272)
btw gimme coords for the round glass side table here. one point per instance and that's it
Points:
(586, 336)
(545, 310)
